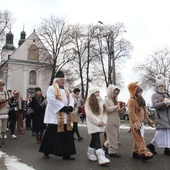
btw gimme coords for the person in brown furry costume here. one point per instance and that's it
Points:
(137, 114)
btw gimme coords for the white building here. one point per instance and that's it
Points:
(27, 66)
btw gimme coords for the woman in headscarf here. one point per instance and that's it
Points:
(161, 102)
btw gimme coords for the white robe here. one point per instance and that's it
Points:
(162, 138)
(54, 105)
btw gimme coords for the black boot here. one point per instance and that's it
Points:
(105, 149)
(80, 138)
(136, 155)
(46, 156)
(68, 158)
(145, 158)
(167, 151)
(152, 148)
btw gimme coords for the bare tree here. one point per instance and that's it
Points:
(112, 51)
(71, 78)
(157, 63)
(54, 33)
(93, 55)
(6, 22)
(83, 44)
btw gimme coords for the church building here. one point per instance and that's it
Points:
(27, 66)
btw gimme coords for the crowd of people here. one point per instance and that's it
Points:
(15, 116)
(54, 119)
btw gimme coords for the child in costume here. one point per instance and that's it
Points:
(112, 109)
(137, 114)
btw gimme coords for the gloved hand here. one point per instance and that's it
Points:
(64, 109)
(137, 125)
(69, 108)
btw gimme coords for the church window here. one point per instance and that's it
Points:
(33, 52)
(32, 77)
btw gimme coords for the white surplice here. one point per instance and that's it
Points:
(54, 105)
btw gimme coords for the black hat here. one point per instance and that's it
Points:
(59, 74)
(76, 90)
(37, 89)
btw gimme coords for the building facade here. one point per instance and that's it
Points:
(27, 66)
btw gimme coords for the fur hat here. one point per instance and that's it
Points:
(76, 90)
(93, 90)
(2, 82)
(132, 87)
(37, 89)
(59, 74)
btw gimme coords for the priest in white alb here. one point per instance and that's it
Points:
(58, 138)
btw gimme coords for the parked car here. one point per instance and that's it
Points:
(124, 115)
(151, 111)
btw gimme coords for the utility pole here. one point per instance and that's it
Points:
(111, 52)
(113, 59)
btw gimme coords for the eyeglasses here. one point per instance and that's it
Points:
(161, 86)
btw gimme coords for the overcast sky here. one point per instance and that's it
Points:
(146, 22)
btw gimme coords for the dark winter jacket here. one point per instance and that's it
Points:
(38, 117)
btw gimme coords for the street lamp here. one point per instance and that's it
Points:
(112, 54)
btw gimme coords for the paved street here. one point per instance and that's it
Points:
(24, 147)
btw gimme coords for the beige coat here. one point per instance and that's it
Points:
(4, 110)
(75, 116)
(94, 120)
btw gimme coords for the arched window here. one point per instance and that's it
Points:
(32, 77)
(33, 52)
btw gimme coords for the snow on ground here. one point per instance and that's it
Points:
(14, 163)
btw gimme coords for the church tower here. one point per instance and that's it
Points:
(9, 42)
(22, 38)
(9, 47)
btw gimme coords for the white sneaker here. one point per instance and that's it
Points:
(5, 136)
(13, 136)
